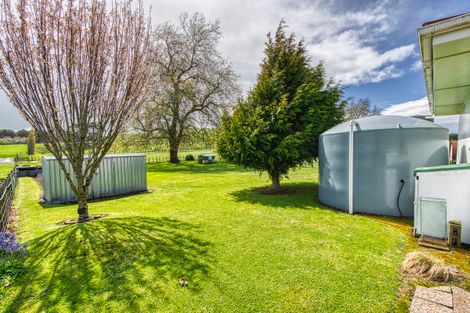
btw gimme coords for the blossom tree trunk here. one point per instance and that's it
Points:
(76, 70)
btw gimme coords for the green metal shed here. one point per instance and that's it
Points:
(118, 174)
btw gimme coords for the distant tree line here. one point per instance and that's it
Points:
(10, 133)
(10, 136)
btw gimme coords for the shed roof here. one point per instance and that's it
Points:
(383, 122)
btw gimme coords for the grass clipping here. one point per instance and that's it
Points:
(420, 265)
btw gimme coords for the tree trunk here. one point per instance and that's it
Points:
(83, 208)
(275, 181)
(174, 147)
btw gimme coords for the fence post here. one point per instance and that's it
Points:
(7, 190)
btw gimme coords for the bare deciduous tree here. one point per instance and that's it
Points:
(192, 83)
(77, 71)
(360, 108)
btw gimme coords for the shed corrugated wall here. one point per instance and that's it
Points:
(118, 174)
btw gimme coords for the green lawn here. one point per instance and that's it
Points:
(5, 169)
(10, 151)
(240, 250)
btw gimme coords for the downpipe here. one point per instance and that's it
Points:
(351, 167)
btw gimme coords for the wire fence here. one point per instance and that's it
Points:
(27, 158)
(7, 190)
(152, 156)
(153, 159)
(158, 150)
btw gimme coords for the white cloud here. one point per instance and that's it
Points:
(417, 66)
(9, 116)
(409, 108)
(346, 41)
(345, 38)
(421, 107)
(351, 62)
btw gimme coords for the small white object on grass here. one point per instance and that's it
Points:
(183, 282)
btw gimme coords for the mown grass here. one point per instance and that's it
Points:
(10, 151)
(5, 169)
(241, 251)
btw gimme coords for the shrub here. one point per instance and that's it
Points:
(11, 255)
(31, 142)
(12, 140)
(189, 157)
(22, 133)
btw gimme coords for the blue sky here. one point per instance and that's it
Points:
(410, 85)
(370, 46)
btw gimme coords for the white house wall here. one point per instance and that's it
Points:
(453, 186)
(463, 148)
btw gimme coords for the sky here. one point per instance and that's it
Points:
(369, 47)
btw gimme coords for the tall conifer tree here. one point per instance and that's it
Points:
(276, 128)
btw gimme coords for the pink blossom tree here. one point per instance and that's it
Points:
(76, 70)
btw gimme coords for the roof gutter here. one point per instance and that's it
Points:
(426, 35)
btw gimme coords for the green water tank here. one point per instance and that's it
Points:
(386, 151)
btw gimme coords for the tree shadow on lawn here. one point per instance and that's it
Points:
(45, 205)
(193, 167)
(112, 262)
(294, 195)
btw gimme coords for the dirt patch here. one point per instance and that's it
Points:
(76, 221)
(39, 180)
(12, 220)
(291, 190)
(269, 191)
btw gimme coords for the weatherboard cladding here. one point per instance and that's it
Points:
(116, 175)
